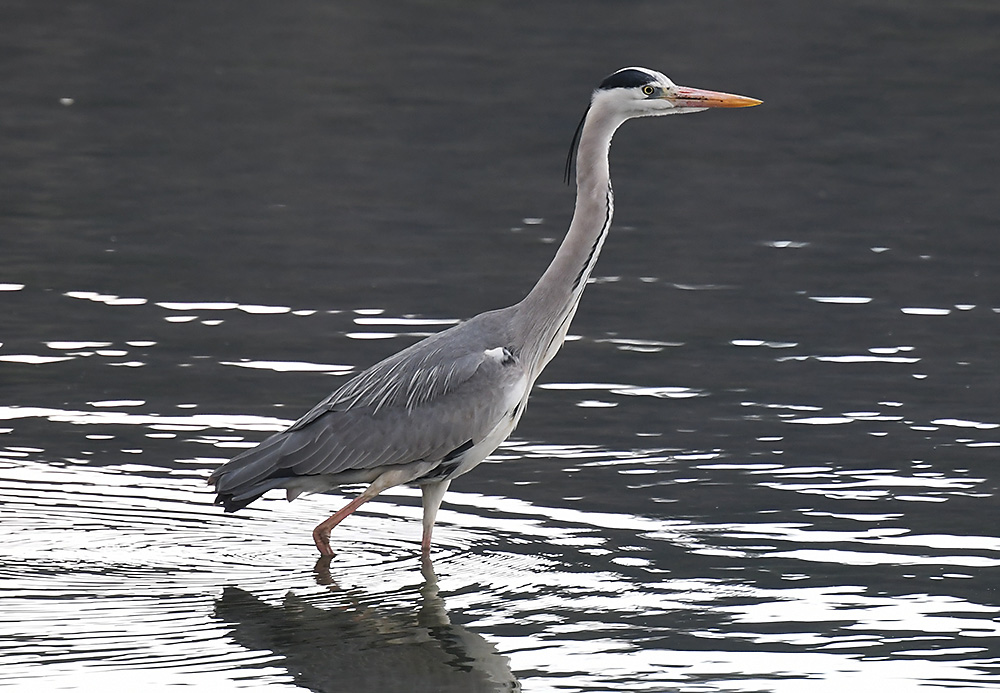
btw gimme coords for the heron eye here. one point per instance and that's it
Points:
(648, 90)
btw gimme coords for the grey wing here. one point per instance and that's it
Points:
(407, 379)
(421, 404)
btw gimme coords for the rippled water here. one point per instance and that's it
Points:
(765, 460)
(791, 548)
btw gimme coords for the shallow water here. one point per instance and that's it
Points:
(765, 461)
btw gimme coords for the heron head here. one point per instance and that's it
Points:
(634, 92)
(638, 91)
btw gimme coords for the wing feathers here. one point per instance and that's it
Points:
(419, 405)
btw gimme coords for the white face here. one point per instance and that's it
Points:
(634, 92)
(638, 91)
(653, 94)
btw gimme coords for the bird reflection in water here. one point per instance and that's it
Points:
(356, 647)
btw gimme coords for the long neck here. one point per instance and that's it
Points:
(544, 315)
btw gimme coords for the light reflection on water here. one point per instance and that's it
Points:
(124, 567)
(124, 572)
(765, 461)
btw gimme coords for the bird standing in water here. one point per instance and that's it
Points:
(436, 409)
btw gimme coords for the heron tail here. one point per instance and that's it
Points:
(249, 475)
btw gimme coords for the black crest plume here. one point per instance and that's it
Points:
(567, 174)
(623, 79)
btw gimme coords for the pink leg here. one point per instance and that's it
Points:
(393, 476)
(321, 535)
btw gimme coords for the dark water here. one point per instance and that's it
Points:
(766, 462)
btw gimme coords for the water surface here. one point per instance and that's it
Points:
(765, 461)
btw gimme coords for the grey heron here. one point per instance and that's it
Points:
(436, 409)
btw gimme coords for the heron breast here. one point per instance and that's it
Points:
(469, 456)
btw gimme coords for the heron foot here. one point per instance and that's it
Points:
(321, 536)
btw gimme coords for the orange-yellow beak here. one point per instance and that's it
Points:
(701, 98)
